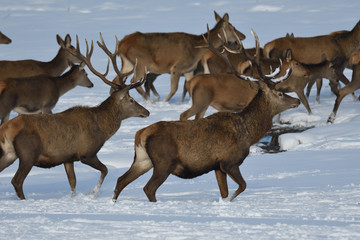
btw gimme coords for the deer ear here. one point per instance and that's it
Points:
(288, 55)
(226, 17)
(68, 41)
(217, 16)
(60, 41)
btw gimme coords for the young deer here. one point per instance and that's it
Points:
(4, 39)
(354, 61)
(219, 142)
(77, 134)
(152, 50)
(29, 68)
(38, 94)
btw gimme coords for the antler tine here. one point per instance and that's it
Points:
(112, 56)
(211, 47)
(87, 61)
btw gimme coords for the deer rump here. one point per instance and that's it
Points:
(167, 144)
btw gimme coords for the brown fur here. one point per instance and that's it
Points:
(350, 87)
(335, 48)
(38, 94)
(152, 50)
(77, 134)
(4, 39)
(219, 142)
(29, 68)
(225, 92)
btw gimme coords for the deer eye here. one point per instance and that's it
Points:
(280, 94)
(132, 100)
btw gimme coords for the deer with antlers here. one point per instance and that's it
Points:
(173, 53)
(4, 39)
(226, 92)
(77, 134)
(335, 48)
(219, 142)
(30, 68)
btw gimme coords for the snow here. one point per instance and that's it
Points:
(309, 191)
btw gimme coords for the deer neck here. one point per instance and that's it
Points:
(58, 64)
(350, 42)
(256, 118)
(109, 116)
(65, 82)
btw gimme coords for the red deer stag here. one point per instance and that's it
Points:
(4, 39)
(152, 50)
(219, 142)
(38, 94)
(77, 134)
(354, 61)
(335, 49)
(29, 68)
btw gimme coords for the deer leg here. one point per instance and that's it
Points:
(309, 86)
(319, 83)
(234, 173)
(138, 168)
(27, 148)
(222, 183)
(349, 88)
(175, 76)
(69, 169)
(304, 101)
(158, 178)
(188, 77)
(149, 85)
(95, 163)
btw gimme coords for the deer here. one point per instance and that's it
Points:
(354, 62)
(38, 94)
(4, 39)
(226, 92)
(29, 68)
(152, 50)
(76, 134)
(219, 142)
(334, 48)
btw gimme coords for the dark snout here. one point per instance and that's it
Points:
(145, 113)
(296, 103)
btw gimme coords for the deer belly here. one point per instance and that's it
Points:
(27, 110)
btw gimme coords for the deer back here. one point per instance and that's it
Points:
(30, 67)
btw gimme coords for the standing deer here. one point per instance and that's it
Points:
(333, 48)
(4, 39)
(38, 94)
(354, 61)
(173, 53)
(77, 134)
(29, 68)
(219, 142)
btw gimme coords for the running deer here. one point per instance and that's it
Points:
(38, 94)
(354, 61)
(77, 134)
(173, 53)
(219, 142)
(29, 68)
(334, 48)
(4, 39)
(226, 92)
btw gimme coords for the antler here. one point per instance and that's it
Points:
(112, 57)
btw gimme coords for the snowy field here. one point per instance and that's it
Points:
(310, 191)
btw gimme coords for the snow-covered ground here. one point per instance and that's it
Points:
(310, 191)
